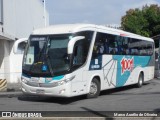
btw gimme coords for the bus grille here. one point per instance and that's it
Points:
(45, 85)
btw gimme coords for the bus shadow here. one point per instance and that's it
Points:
(44, 99)
(117, 91)
(65, 101)
(120, 89)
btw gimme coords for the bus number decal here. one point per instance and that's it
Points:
(127, 65)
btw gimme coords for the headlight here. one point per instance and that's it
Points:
(63, 81)
(70, 79)
(23, 80)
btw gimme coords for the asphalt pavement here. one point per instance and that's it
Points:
(128, 99)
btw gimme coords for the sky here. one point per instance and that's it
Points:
(100, 12)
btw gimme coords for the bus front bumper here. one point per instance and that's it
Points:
(59, 91)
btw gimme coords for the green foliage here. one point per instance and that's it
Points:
(145, 21)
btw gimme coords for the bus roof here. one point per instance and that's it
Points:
(72, 28)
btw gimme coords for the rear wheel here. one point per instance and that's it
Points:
(94, 89)
(140, 81)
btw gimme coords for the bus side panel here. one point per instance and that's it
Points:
(148, 73)
(104, 67)
(78, 83)
(121, 70)
(130, 67)
(89, 75)
(133, 77)
(109, 69)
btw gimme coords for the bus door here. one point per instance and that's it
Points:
(78, 84)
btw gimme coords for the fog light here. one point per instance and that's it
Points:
(61, 83)
(62, 91)
(23, 90)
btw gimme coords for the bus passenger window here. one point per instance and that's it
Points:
(100, 48)
(113, 51)
(113, 48)
(81, 49)
(106, 47)
(99, 45)
(124, 51)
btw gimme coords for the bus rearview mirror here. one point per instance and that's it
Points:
(72, 43)
(15, 47)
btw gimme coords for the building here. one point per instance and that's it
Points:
(157, 55)
(18, 18)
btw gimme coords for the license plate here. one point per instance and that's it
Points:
(40, 91)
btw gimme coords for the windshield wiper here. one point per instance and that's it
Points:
(49, 65)
(47, 57)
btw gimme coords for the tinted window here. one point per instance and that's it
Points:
(120, 45)
(81, 48)
(140, 47)
(101, 45)
(112, 44)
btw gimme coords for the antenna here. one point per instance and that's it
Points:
(44, 12)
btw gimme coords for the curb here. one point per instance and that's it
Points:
(10, 94)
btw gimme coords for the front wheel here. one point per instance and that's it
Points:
(94, 89)
(140, 81)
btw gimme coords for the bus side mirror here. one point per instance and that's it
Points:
(72, 43)
(15, 47)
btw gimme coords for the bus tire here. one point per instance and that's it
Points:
(140, 81)
(94, 89)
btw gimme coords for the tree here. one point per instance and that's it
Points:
(145, 21)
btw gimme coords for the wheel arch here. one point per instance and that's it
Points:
(95, 87)
(99, 80)
(142, 73)
(97, 77)
(140, 81)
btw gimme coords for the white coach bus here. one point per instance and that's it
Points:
(77, 59)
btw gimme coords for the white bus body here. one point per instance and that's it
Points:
(106, 58)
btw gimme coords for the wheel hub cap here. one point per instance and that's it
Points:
(93, 88)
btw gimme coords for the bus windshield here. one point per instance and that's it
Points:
(46, 55)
